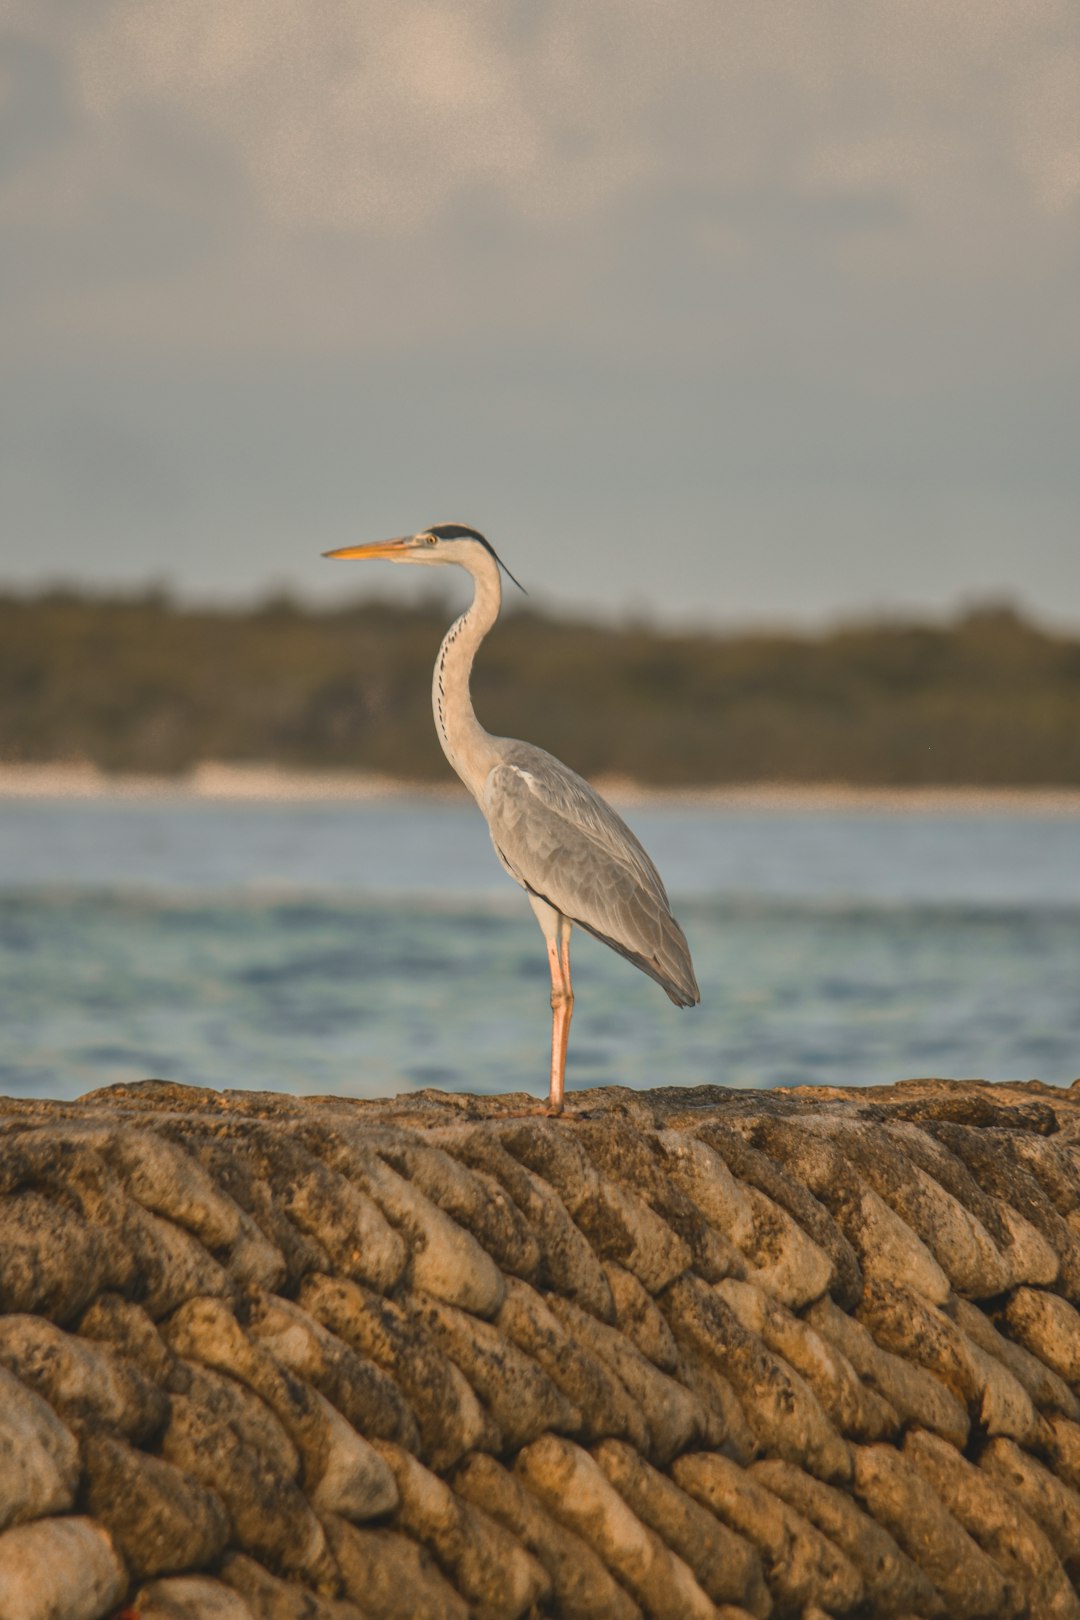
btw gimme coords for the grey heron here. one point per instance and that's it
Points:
(577, 860)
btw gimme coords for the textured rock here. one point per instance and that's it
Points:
(391, 1575)
(690, 1352)
(192, 1597)
(448, 1414)
(993, 1518)
(604, 1403)
(161, 1520)
(901, 1499)
(581, 1585)
(495, 1574)
(801, 1566)
(59, 1569)
(39, 1458)
(81, 1380)
(780, 1406)
(1049, 1327)
(521, 1398)
(577, 1492)
(892, 1583)
(725, 1566)
(269, 1598)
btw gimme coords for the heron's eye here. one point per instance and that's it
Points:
(430, 540)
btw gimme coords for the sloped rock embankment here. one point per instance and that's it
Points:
(679, 1354)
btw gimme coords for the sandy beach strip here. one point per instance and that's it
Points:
(218, 781)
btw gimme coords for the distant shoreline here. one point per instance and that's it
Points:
(216, 782)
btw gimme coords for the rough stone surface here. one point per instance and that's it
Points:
(680, 1353)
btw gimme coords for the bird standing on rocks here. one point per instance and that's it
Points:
(577, 860)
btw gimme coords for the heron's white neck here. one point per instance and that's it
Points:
(468, 747)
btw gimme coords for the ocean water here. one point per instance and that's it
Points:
(369, 948)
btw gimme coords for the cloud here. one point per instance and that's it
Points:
(804, 263)
(378, 118)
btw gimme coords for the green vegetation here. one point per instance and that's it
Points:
(140, 684)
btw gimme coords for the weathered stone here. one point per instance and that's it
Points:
(39, 1457)
(444, 1259)
(673, 1416)
(890, 1251)
(471, 1197)
(160, 1518)
(199, 1207)
(567, 1263)
(885, 1245)
(341, 1472)
(220, 1437)
(554, 1154)
(574, 1490)
(1031, 1258)
(893, 1584)
(725, 1566)
(638, 1317)
(915, 1330)
(59, 1569)
(1061, 1445)
(450, 1418)
(621, 1227)
(269, 1598)
(229, 1402)
(801, 1566)
(353, 1482)
(913, 1393)
(995, 1160)
(726, 1428)
(190, 1597)
(960, 1244)
(993, 1518)
(52, 1262)
(761, 1150)
(1047, 1390)
(348, 1224)
(738, 1143)
(1053, 1505)
(366, 1395)
(780, 1407)
(246, 1179)
(174, 1266)
(605, 1405)
(253, 1260)
(521, 1398)
(626, 1155)
(79, 1379)
(125, 1327)
(581, 1586)
(488, 1567)
(899, 1497)
(850, 1404)
(1049, 1327)
(171, 1183)
(391, 1576)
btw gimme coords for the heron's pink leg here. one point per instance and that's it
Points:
(562, 1008)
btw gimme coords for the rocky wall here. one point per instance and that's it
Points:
(679, 1353)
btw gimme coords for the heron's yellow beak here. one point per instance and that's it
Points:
(375, 548)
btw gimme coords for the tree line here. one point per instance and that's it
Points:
(145, 684)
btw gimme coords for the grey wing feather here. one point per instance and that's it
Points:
(556, 836)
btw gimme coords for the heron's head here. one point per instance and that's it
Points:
(441, 543)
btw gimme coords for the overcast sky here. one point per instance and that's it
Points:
(722, 312)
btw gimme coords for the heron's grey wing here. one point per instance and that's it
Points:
(556, 836)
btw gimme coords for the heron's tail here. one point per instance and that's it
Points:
(669, 964)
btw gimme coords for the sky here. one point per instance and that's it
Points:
(713, 312)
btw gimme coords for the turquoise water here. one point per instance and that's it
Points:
(369, 948)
